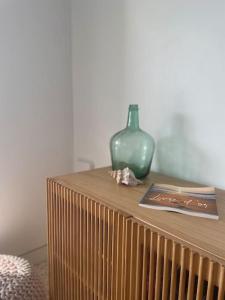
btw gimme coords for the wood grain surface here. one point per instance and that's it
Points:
(208, 235)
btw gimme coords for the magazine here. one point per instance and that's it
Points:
(200, 201)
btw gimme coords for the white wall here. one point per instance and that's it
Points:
(167, 56)
(35, 115)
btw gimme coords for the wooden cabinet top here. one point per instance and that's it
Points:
(202, 234)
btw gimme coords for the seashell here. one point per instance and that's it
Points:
(125, 176)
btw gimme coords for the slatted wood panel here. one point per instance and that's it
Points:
(159, 268)
(85, 247)
(96, 252)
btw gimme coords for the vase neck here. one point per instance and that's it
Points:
(133, 118)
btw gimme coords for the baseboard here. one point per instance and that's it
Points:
(36, 255)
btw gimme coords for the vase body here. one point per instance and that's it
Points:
(132, 147)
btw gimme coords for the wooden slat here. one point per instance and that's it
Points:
(132, 262)
(80, 248)
(92, 250)
(104, 257)
(96, 252)
(151, 269)
(77, 246)
(59, 233)
(190, 291)
(221, 284)
(173, 273)
(165, 271)
(144, 266)
(182, 274)
(119, 249)
(210, 281)
(127, 241)
(99, 251)
(67, 256)
(73, 240)
(61, 265)
(50, 236)
(113, 255)
(158, 286)
(200, 279)
(121, 258)
(137, 275)
(54, 245)
(85, 256)
(108, 263)
(88, 252)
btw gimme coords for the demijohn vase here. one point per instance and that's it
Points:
(132, 147)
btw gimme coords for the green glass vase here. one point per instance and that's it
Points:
(132, 147)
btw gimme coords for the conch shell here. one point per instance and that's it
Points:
(125, 176)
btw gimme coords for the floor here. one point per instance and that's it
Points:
(42, 270)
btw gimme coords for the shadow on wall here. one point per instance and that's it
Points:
(86, 164)
(176, 154)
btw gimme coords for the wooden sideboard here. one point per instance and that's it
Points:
(102, 245)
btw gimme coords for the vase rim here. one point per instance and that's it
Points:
(133, 107)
